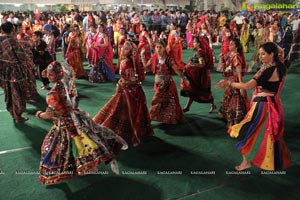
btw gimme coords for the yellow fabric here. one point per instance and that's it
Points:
(84, 144)
(268, 163)
(116, 37)
(245, 38)
(235, 129)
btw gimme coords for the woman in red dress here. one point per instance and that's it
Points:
(126, 113)
(197, 72)
(165, 106)
(145, 44)
(235, 102)
(174, 46)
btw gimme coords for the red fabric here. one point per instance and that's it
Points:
(275, 123)
(200, 84)
(165, 105)
(91, 20)
(154, 62)
(174, 48)
(143, 44)
(126, 113)
(208, 53)
(121, 41)
(137, 63)
(105, 52)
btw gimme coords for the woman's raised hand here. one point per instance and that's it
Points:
(221, 84)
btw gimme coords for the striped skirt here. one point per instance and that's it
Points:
(254, 139)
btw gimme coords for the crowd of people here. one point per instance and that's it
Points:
(147, 43)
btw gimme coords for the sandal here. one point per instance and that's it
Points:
(21, 119)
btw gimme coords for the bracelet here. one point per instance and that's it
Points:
(230, 83)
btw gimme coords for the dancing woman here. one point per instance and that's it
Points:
(260, 133)
(235, 101)
(74, 53)
(102, 57)
(74, 145)
(165, 106)
(145, 44)
(126, 113)
(197, 72)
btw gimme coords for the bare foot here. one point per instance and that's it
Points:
(243, 166)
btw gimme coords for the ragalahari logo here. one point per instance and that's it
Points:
(260, 6)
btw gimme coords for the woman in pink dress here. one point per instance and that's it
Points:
(102, 57)
(189, 35)
(89, 40)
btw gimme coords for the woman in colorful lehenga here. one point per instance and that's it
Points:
(13, 73)
(102, 58)
(145, 45)
(126, 113)
(165, 106)
(245, 31)
(235, 101)
(74, 53)
(260, 134)
(75, 144)
(197, 72)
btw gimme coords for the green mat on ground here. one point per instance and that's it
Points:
(164, 166)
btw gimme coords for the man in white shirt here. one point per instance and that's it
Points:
(295, 23)
(11, 18)
(238, 19)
